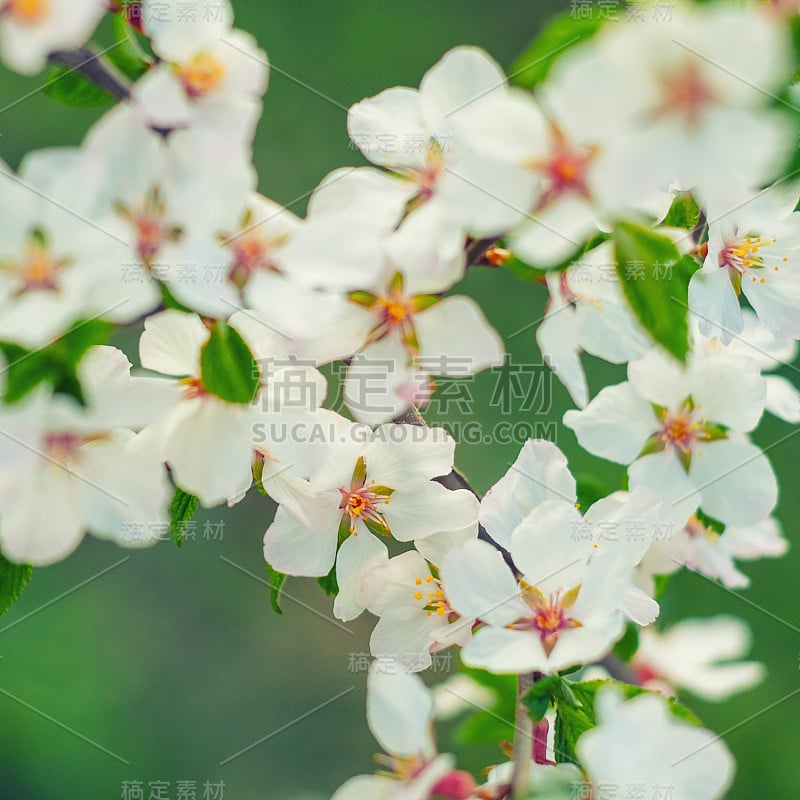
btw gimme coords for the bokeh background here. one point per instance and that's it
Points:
(172, 661)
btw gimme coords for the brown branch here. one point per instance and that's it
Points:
(91, 66)
(455, 480)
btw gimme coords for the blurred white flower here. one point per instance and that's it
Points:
(688, 762)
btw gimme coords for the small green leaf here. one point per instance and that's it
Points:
(13, 579)
(655, 280)
(538, 698)
(181, 510)
(683, 213)
(275, 580)
(329, 583)
(128, 56)
(69, 87)
(54, 364)
(562, 33)
(626, 647)
(227, 366)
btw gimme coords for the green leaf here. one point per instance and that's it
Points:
(560, 34)
(181, 510)
(329, 583)
(683, 213)
(626, 647)
(227, 366)
(655, 280)
(55, 364)
(128, 55)
(275, 580)
(69, 87)
(576, 715)
(538, 698)
(13, 579)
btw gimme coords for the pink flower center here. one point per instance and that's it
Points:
(28, 12)
(38, 269)
(549, 615)
(685, 93)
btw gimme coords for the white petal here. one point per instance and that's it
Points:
(549, 547)
(420, 508)
(294, 549)
(505, 651)
(208, 445)
(736, 481)
(383, 125)
(357, 555)
(479, 584)
(456, 340)
(663, 474)
(399, 711)
(171, 343)
(615, 425)
(463, 75)
(539, 473)
(783, 399)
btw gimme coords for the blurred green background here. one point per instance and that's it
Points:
(172, 661)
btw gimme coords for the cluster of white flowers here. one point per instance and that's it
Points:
(155, 219)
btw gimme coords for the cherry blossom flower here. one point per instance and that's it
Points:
(388, 315)
(67, 469)
(30, 30)
(369, 486)
(699, 655)
(752, 250)
(53, 261)
(415, 617)
(689, 762)
(565, 608)
(412, 133)
(682, 431)
(696, 106)
(208, 75)
(400, 716)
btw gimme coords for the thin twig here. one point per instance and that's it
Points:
(86, 62)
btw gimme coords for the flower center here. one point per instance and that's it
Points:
(680, 431)
(429, 592)
(201, 74)
(28, 12)
(567, 170)
(695, 527)
(362, 501)
(250, 253)
(37, 269)
(746, 254)
(549, 615)
(150, 227)
(685, 93)
(193, 388)
(63, 447)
